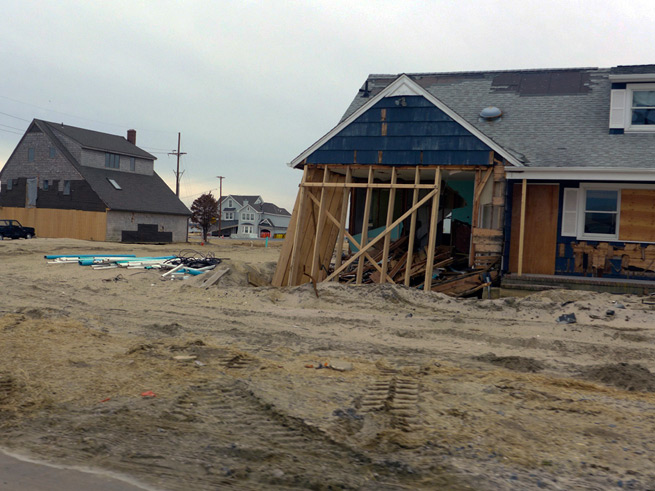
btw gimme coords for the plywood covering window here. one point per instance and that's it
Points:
(637, 215)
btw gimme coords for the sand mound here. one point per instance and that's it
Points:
(632, 377)
(518, 363)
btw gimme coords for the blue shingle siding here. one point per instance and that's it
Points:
(408, 130)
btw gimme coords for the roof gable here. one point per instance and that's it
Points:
(426, 114)
(96, 140)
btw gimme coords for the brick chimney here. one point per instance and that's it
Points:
(131, 136)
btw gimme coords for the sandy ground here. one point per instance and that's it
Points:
(443, 393)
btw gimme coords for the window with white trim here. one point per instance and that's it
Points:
(247, 229)
(633, 108)
(600, 213)
(643, 107)
(229, 215)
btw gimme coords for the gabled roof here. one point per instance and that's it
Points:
(259, 208)
(241, 198)
(550, 117)
(139, 192)
(274, 209)
(95, 140)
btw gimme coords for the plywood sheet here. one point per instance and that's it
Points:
(637, 220)
(540, 229)
(53, 223)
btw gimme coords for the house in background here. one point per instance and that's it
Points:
(551, 170)
(248, 217)
(78, 183)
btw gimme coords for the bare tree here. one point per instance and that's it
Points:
(204, 212)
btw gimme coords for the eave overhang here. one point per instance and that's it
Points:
(580, 174)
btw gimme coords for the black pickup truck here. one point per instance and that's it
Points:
(12, 229)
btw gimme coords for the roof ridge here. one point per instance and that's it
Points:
(478, 72)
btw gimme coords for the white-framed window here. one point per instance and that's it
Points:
(633, 108)
(247, 216)
(229, 203)
(247, 229)
(599, 212)
(229, 215)
(642, 106)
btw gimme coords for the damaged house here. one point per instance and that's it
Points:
(73, 182)
(448, 179)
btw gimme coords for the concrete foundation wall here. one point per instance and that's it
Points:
(117, 221)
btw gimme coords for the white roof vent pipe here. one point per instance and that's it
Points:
(491, 113)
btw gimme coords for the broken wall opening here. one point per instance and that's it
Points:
(409, 210)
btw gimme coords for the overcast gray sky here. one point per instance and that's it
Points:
(251, 84)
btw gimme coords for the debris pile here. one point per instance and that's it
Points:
(182, 265)
(451, 273)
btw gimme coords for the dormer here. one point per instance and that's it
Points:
(632, 102)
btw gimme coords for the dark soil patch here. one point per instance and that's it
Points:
(518, 363)
(623, 375)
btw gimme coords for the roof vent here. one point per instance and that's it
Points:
(490, 113)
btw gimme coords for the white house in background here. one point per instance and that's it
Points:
(249, 217)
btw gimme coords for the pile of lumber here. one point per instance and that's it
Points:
(451, 274)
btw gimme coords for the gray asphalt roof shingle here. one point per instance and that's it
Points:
(139, 192)
(100, 141)
(542, 125)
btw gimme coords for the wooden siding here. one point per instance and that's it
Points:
(407, 130)
(51, 223)
(637, 220)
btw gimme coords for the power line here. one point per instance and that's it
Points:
(12, 127)
(15, 117)
(70, 115)
(12, 132)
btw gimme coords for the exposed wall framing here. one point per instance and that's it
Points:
(318, 232)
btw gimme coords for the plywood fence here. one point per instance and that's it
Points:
(51, 223)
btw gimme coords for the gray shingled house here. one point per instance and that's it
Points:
(552, 169)
(73, 182)
(248, 217)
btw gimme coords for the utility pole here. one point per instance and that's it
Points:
(177, 173)
(220, 204)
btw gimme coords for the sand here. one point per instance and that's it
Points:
(439, 393)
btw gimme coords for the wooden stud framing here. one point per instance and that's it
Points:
(524, 194)
(342, 223)
(365, 248)
(387, 239)
(319, 226)
(480, 183)
(434, 216)
(356, 244)
(293, 265)
(412, 227)
(365, 219)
